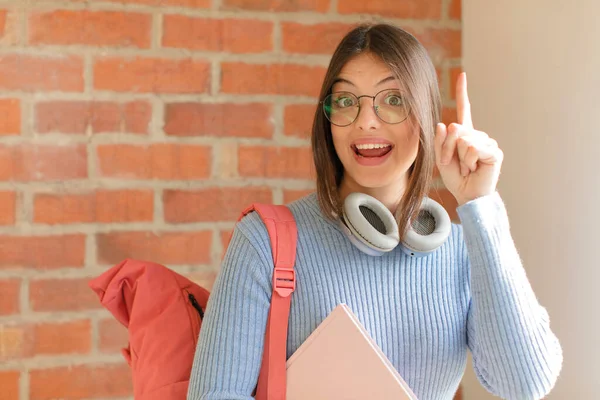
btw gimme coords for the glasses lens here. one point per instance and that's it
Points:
(341, 108)
(391, 106)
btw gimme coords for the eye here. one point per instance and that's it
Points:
(344, 102)
(393, 100)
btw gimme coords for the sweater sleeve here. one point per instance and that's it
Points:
(515, 353)
(230, 346)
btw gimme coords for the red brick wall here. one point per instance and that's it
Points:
(118, 139)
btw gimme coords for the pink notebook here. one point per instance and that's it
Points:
(340, 361)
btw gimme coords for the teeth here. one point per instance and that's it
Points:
(371, 146)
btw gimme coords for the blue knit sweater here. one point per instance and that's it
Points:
(425, 313)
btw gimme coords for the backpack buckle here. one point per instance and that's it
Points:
(284, 281)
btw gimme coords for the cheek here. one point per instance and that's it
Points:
(414, 139)
(413, 147)
(408, 140)
(339, 136)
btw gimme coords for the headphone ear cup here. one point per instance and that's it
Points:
(429, 231)
(370, 225)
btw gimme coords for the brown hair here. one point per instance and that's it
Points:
(409, 62)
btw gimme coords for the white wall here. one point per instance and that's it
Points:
(533, 69)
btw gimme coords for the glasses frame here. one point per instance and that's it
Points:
(322, 105)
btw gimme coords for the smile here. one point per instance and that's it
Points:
(371, 153)
(372, 149)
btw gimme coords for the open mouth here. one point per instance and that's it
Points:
(371, 150)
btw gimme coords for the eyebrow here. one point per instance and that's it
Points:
(381, 82)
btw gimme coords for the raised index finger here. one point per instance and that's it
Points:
(463, 107)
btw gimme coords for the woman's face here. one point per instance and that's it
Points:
(376, 155)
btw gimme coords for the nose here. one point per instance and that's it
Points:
(367, 119)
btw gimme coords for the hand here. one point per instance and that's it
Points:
(469, 161)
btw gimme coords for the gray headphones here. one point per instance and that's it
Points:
(372, 228)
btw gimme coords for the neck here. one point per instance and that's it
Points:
(389, 195)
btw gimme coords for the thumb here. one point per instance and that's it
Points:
(440, 136)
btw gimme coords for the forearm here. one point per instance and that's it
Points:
(516, 354)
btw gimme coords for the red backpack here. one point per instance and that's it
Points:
(163, 312)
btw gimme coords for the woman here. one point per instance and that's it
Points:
(377, 132)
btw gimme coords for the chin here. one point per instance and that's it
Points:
(375, 177)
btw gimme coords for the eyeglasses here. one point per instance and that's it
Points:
(342, 108)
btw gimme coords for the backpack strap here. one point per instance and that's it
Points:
(283, 235)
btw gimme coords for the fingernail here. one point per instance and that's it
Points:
(438, 129)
